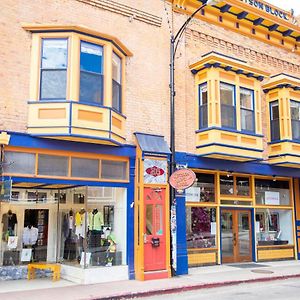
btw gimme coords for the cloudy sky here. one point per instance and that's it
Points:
(287, 4)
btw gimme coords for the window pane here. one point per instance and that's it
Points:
(275, 227)
(203, 94)
(200, 227)
(295, 119)
(275, 126)
(116, 68)
(203, 190)
(228, 116)
(247, 120)
(82, 167)
(19, 163)
(227, 94)
(55, 54)
(226, 185)
(91, 87)
(114, 170)
(53, 84)
(242, 185)
(246, 97)
(91, 58)
(52, 165)
(272, 192)
(117, 92)
(149, 219)
(203, 115)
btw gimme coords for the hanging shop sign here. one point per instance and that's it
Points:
(182, 179)
(268, 9)
(155, 171)
(272, 198)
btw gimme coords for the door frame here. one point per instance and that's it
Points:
(252, 234)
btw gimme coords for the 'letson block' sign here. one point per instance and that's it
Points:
(268, 9)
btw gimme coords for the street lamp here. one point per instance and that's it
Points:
(174, 41)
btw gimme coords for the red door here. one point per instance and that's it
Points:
(154, 231)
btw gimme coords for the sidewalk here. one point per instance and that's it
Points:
(204, 277)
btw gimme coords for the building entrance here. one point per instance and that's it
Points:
(236, 235)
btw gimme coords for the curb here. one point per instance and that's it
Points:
(187, 288)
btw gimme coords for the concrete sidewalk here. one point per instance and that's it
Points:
(204, 277)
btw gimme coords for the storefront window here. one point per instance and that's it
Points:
(203, 190)
(274, 227)
(234, 185)
(201, 227)
(81, 227)
(272, 192)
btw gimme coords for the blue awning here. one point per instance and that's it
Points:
(154, 144)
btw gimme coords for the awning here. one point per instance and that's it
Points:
(152, 144)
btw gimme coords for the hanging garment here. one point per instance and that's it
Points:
(30, 235)
(96, 220)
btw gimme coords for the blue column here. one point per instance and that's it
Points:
(182, 258)
(130, 220)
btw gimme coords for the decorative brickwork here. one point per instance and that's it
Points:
(125, 10)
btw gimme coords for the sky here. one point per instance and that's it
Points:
(287, 5)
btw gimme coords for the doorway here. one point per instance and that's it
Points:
(154, 230)
(236, 235)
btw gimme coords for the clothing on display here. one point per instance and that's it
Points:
(96, 220)
(30, 235)
(80, 223)
(9, 220)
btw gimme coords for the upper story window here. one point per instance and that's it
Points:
(295, 119)
(116, 82)
(54, 61)
(91, 73)
(247, 110)
(274, 116)
(75, 63)
(227, 98)
(203, 109)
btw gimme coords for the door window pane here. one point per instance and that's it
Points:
(149, 219)
(227, 234)
(54, 69)
(203, 106)
(244, 234)
(228, 118)
(159, 219)
(53, 165)
(295, 119)
(275, 127)
(91, 73)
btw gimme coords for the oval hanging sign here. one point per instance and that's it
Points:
(182, 179)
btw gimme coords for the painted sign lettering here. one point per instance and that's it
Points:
(268, 9)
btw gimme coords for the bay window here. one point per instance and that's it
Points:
(295, 119)
(247, 110)
(227, 98)
(54, 58)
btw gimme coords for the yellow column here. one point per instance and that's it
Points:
(213, 98)
(74, 68)
(107, 101)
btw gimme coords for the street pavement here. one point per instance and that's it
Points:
(197, 279)
(286, 289)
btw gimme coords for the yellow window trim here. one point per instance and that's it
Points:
(77, 28)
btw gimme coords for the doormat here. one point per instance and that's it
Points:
(248, 266)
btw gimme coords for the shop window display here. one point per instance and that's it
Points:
(274, 227)
(272, 192)
(201, 227)
(55, 226)
(234, 185)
